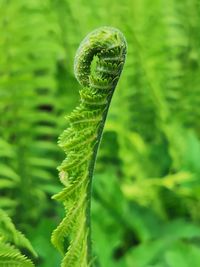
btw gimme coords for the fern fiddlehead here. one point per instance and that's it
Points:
(98, 65)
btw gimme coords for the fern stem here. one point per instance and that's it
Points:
(90, 176)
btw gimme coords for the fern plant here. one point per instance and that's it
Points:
(98, 65)
(10, 240)
(28, 100)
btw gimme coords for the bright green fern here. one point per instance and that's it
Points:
(98, 65)
(10, 242)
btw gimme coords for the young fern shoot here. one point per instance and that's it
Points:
(98, 64)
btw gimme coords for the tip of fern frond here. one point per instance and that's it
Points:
(53, 197)
(34, 253)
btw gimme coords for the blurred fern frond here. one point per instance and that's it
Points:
(10, 242)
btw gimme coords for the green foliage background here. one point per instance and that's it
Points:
(146, 189)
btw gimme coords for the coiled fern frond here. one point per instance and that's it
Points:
(98, 65)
